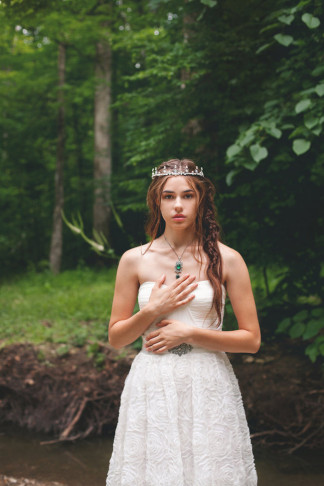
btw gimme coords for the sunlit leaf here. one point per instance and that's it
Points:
(230, 177)
(311, 21)
(303, 105)
(284, 40)
(258, 152)
(274, 132)
(317, 130)
(300, 146)
(233, 150)
(286, 19)
(310, 121)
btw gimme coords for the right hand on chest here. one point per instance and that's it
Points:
(166, 298)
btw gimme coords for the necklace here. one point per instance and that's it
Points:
(178, 265)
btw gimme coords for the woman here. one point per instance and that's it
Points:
(181, 419)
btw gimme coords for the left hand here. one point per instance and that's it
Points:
(171, 333)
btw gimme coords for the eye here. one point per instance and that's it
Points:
(189, 196)
(167, 196)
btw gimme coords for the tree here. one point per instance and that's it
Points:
(55, 256)
(102, 136)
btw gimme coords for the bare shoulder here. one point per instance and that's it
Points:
(232, 261)
(229, 255)
(132, 255)
(129, 264)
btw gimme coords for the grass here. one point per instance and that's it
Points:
(70, 308)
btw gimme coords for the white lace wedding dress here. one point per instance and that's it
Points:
(181, 419)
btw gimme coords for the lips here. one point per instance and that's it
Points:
(179, 217)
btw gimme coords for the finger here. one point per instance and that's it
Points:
(179, 281)
(155, 347)
(163, 323)
(152, 342)
(181, 296)
(183, 285)
(188, 290)
(185, 301)
(160, 281)
(160, 350)
(152, 335)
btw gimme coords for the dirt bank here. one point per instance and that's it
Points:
(62, 392)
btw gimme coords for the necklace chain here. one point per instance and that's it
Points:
(179, 265)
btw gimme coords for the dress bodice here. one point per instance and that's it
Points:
(198, 312)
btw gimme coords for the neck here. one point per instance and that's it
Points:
(179, 239)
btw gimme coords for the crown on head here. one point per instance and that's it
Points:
(165, 171)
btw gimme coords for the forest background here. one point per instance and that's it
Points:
(96, 93)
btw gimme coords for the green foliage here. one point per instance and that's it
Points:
(282, 149)
(308, 325)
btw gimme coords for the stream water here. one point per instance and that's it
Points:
(85, 463)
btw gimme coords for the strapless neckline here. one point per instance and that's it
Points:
(152, 282)
(164, 285)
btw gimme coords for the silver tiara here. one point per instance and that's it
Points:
(164, 171)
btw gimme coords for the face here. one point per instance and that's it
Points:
(179, 202)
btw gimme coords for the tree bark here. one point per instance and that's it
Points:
(55, 256)
(102, 139)
(193, 126)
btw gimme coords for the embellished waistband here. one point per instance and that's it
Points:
(181, 350)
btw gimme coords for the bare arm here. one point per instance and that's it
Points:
(248, 337)
(124, 328)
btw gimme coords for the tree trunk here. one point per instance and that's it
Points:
(193, 126)
(102, 139)
(55, 256)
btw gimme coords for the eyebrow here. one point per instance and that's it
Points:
(172, 192)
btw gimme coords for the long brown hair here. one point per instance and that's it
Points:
(207, 228)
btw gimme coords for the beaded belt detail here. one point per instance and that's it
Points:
(183, 348)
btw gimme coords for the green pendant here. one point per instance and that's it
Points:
(178, 268)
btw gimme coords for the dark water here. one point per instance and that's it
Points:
(85, 463)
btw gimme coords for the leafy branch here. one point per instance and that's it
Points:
(99, 243)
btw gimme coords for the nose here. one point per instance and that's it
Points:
(178, 204)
